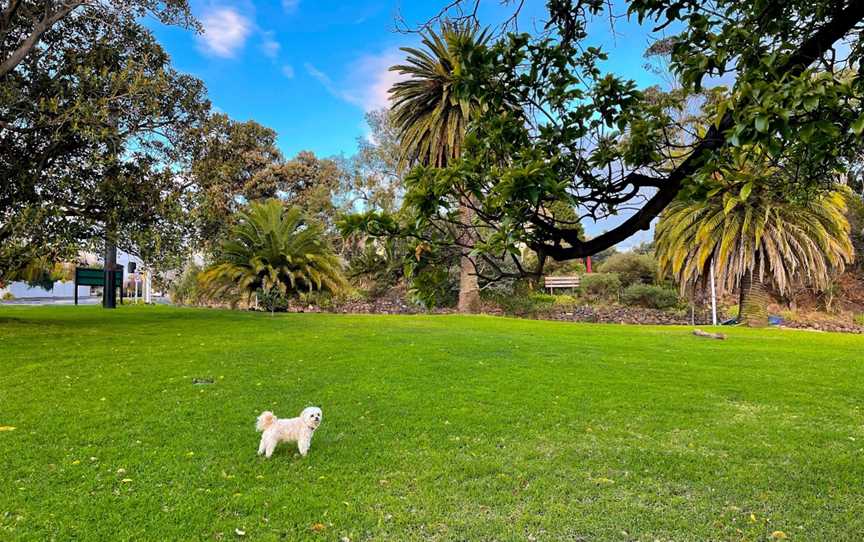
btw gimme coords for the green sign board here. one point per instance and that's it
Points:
(85, 276)
(89, 276)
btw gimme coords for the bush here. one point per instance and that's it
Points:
(519, 302)
(631, 268)
(565, 301)
(7, 296)
(433, 287)
(649, 296)
(185, 291)
(272, 300)
(597, 286)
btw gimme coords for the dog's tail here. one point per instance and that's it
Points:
(265, 420)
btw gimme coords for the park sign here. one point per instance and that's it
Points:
(94, 276)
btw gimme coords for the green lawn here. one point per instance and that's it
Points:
(435, 428)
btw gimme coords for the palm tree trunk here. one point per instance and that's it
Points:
(752, 301)
(469, 288)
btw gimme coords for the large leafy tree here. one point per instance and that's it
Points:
(755, 234)
(92, 124)
(603, 146)
(229, 164)
(274, 249)
(24, 24)
(432, 108)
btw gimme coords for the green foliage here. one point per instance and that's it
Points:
(764, 233)
(93, 124)
(184, 290)
(272, 300)
(631, 268)
(8, 296)
(433, 287)
(274, 248)
(433, 105)
(650, 296)
(553, 127)
(601, 286)
(520, 302)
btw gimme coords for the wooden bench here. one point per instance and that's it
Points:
(561, 282)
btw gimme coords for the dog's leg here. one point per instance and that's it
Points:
(269, 447)
(303, 445)
(262, 445)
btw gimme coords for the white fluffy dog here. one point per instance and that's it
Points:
(297, 430)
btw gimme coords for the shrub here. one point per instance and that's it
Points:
(565, 301)
(631, 268)
(185, 290)
(433, 287)
(520, 303)
(7, 296)
(272, 300)
(598, 286)
(650, 296)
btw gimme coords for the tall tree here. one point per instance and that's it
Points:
(91, 130)
(432, 108)
(604, 147)
(374, 176)
(231, 164)
(25, 23)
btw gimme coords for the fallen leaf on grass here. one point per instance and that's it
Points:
(126, 480)
(6, 428)
(239, 532)
(778, 535)
(76, 462)
(318, 527)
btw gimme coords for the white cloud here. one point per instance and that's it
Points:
(367, 81)
(269, 45)
(225, 32)
(290, 6)
(288, 71)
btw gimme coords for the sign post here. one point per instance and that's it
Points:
(92, 276)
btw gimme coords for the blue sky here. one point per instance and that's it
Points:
(310, 69)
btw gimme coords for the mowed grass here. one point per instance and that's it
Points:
(435, 428)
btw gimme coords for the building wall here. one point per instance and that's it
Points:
(21, 290)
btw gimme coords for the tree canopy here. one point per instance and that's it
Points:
(596, 143)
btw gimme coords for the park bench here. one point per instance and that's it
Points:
(561, 282)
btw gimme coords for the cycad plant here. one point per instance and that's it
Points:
(432, 108)
(274, 250)
(754, 235)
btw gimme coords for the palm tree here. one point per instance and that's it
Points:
(274, 250)
(431, 110)
(753, 235)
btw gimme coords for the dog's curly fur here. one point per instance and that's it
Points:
(299, 430)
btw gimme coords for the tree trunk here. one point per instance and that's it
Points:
(109, 289)
(469, 288)
(752, 301)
